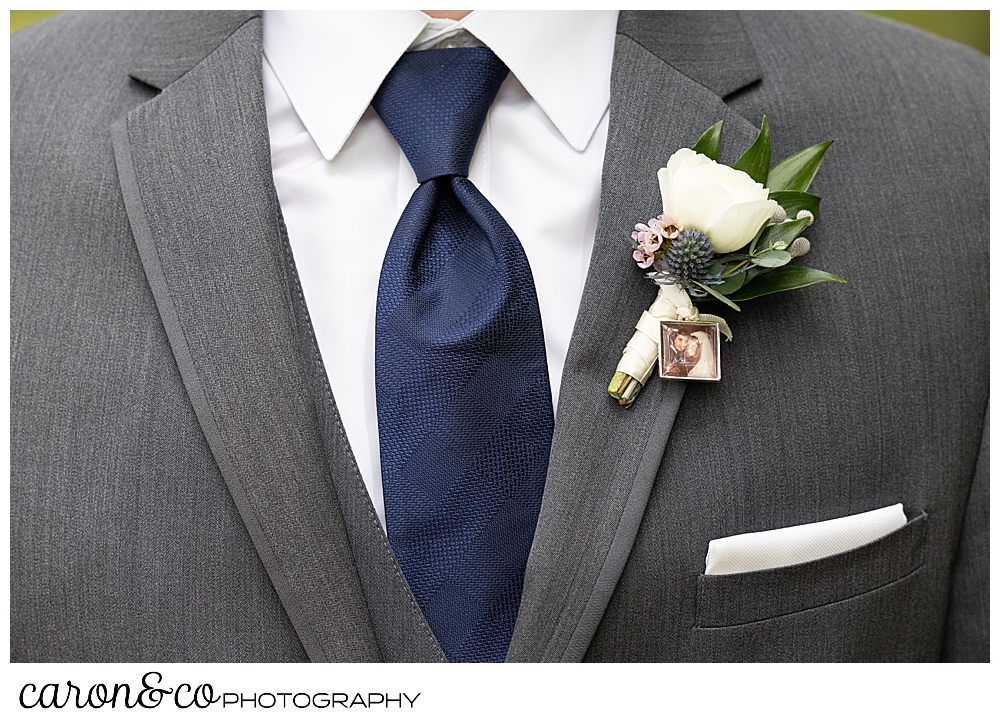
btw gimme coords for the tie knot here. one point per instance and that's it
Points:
(434, 102)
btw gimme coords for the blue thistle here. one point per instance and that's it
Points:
(689, 257)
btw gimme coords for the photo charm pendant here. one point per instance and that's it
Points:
(689, 351)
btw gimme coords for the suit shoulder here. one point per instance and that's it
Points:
(82, 50)
(70, 62)
(892, 90)
(841, 50)
(68, 40)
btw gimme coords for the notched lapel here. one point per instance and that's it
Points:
(710, 47)
(605, 457)
(180, 40)
(194, 164)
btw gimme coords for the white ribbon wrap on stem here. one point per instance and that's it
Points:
(643, 349)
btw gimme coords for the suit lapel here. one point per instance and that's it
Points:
(665, 91)
(194, 164)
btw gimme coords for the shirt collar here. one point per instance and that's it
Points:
(331, 63)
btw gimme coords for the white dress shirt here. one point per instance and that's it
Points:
(343, 181)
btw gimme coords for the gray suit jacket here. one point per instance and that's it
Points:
(181, 484)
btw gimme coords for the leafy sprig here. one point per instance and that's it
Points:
(762, 266)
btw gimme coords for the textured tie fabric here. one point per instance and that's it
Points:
(464, 404)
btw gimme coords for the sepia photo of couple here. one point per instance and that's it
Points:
(690, 350)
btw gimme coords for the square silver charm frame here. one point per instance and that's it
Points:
(667, 336)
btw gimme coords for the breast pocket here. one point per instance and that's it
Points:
(741, 598)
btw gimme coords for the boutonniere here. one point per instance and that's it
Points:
(726, 233)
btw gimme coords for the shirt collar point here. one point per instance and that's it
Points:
(577, 129)
(329, 149)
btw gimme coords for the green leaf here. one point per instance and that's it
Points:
(779, 233)
(757, 158)
(708, 144)
(731, 284)
(718, 296)
(795, 201)
(783, 279)
(772, 259)
(796, 172)
(753, 274)
(723, 326)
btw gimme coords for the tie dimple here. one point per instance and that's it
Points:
(464, 404)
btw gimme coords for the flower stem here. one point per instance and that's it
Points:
(624, 388)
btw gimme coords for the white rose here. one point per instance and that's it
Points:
(725, 204)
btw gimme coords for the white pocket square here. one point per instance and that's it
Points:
(802, 543)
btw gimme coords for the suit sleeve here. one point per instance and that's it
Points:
(967, 631)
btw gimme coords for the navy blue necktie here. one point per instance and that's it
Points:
(464, 404)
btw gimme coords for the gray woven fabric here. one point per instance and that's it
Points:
(181, 487)
(967, 636)
(125, 541)
(835, 400)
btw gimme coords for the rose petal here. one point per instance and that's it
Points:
(738, 225)
(742, 187)
(699, 199)
(665, 177)
(684, 157)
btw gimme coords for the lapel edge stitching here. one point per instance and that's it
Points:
(624, 538)
(328, 394)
